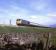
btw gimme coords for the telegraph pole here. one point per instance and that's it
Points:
(10, 21)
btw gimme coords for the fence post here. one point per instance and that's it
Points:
(48, 39)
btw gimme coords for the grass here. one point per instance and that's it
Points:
(20, 29)
(25, 29)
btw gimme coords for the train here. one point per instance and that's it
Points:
(21, 22)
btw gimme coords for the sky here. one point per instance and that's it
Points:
(38, 11)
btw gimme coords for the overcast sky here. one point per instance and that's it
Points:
(38, 11)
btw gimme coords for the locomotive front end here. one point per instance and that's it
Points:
(18, 21)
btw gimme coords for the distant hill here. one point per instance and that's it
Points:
(53, 26)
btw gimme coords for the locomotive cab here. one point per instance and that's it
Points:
(18, 21)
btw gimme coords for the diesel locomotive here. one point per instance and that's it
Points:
(22, 22)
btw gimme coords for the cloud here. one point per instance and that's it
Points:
(52, 14)
(39, 5)
(43, 20)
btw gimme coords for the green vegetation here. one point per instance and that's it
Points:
(25, 29)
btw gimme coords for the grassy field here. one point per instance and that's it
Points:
(25, 29)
